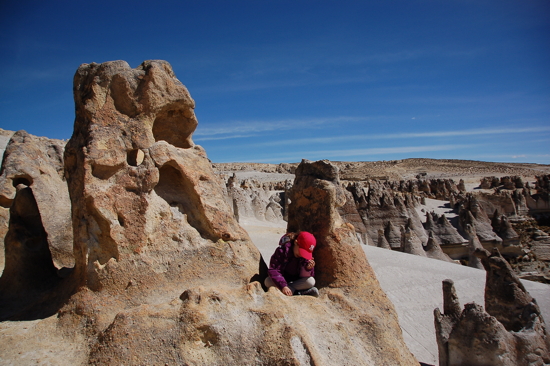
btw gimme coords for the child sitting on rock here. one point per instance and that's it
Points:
(291, 268)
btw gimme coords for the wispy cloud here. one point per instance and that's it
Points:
(250, 128)
(408, 135)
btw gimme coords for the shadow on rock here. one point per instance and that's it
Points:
(31, 287)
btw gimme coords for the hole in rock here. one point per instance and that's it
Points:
(135, 157)
(30, 276)
(22, 180)
(178, 191)
(172, 126)
(121, 220)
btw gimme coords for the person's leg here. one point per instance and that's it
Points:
(268, 282)
(303, 283)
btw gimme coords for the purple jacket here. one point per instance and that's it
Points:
(284, 267)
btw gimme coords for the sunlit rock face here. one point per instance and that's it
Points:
(142, 192)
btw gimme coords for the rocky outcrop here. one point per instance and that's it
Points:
(134, 172)
(510, 331)
(163, 273)
(473, 245)
(5, 137)
(503, 228)
(31, 285)
(443, 230)
(37, 162)
(343, 271)
(411, 243)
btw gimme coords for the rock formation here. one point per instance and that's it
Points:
(252, 199)
(31, 285)
(471, 213)
(343, 271)
(473, 245)
(5, 137)
(433, 249)
(411, 243)
(37, 162)
(163, 273)
(510, 331)
(134, 172)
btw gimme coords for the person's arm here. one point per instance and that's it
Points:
(276, 266)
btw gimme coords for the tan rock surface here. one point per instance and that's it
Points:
(37, 162)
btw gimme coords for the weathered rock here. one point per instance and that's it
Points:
(251, 199)
(511, 331)
(473, 245)
(505, 296)
(341, 266)
(350, 214)
(142, 193)
(503, 228)
(445, 323)
(411, 243)
(31, 286)
(37, 162)
(165, 274)
(451, 242)
(382, 242)
(393, 236)
(5, 137)
(471, 213)
(433, 250)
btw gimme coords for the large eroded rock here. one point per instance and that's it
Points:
(142, 192)
(164, 273)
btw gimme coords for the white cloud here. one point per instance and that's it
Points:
(250, 128)
(408, 135)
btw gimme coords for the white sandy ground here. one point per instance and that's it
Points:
(412, 283)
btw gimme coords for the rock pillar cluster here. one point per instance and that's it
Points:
(510, 331)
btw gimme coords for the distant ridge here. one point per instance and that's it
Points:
(403, 169)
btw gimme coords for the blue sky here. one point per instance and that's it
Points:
(279, 81)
